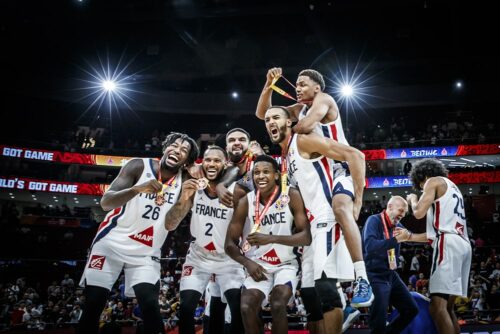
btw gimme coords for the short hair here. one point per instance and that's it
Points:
(240, 130)
(285, 110)
(314, 76)
(267, 158)
(426, 168)
(397, 198)
(193, 152)
(217, 148)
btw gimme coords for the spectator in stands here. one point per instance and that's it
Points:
(407, 167)
(67, 282)
(415, 263)
(76, 313)
(421, 282)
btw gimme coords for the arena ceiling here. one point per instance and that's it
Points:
(189, 55)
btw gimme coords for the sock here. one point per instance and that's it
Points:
(360, 269)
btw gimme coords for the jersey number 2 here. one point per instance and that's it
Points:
(209, 230)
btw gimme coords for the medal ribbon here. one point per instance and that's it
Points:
(168, 183)
(281, 91)
(260, 215)
(391, 253)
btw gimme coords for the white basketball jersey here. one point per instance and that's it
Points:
(447, 214)
(333, 130)
(138, 227)
(277, 221)
(209, 221)
(315, 181)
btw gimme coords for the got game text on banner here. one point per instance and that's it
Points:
(63, 157)
(16, 183)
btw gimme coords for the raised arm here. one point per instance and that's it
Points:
(265, 98)
(123, 188)
(332, 149)
(420, 207)
(315, 114)
(180, 209)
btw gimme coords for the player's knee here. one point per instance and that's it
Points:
(278, 306)
(247, 308)
(328, 294)
(342, 213)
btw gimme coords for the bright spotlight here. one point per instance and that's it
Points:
(458, 84)
(347, 90)
(235, 95)
(109, 85)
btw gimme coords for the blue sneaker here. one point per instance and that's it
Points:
(350, 315)
(363, 295)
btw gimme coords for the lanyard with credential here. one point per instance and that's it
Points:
(391, 253)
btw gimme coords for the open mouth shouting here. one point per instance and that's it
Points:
(172, 159)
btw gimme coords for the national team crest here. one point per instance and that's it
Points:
(97, 262)
(460, 229)
(187, 271)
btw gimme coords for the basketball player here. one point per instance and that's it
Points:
(241, 154)
(209, 222)
(132, 233)
(307, 159)
(443, 203)
(317, 112)
(270, 261)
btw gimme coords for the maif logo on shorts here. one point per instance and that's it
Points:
(187, 270)
(97, 262)
(145, 237)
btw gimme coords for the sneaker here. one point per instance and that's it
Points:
(363, 295)
(350, 315)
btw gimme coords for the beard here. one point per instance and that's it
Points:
(282, 131)
(235, 158)
(165, 166)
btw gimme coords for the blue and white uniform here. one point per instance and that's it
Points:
(130, 238)
(206, 256)
(280, 261)
(329, 252)
(452, 255)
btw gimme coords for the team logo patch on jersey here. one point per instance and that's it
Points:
(187, 271)
(271, 257)
(145, 237)
(459, 228)
(97, 262)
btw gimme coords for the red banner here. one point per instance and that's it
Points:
(64, 157)
(16, 183)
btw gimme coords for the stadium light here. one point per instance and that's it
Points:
(458, 84)
(109, 85)
(235, 95)
(347, 90)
